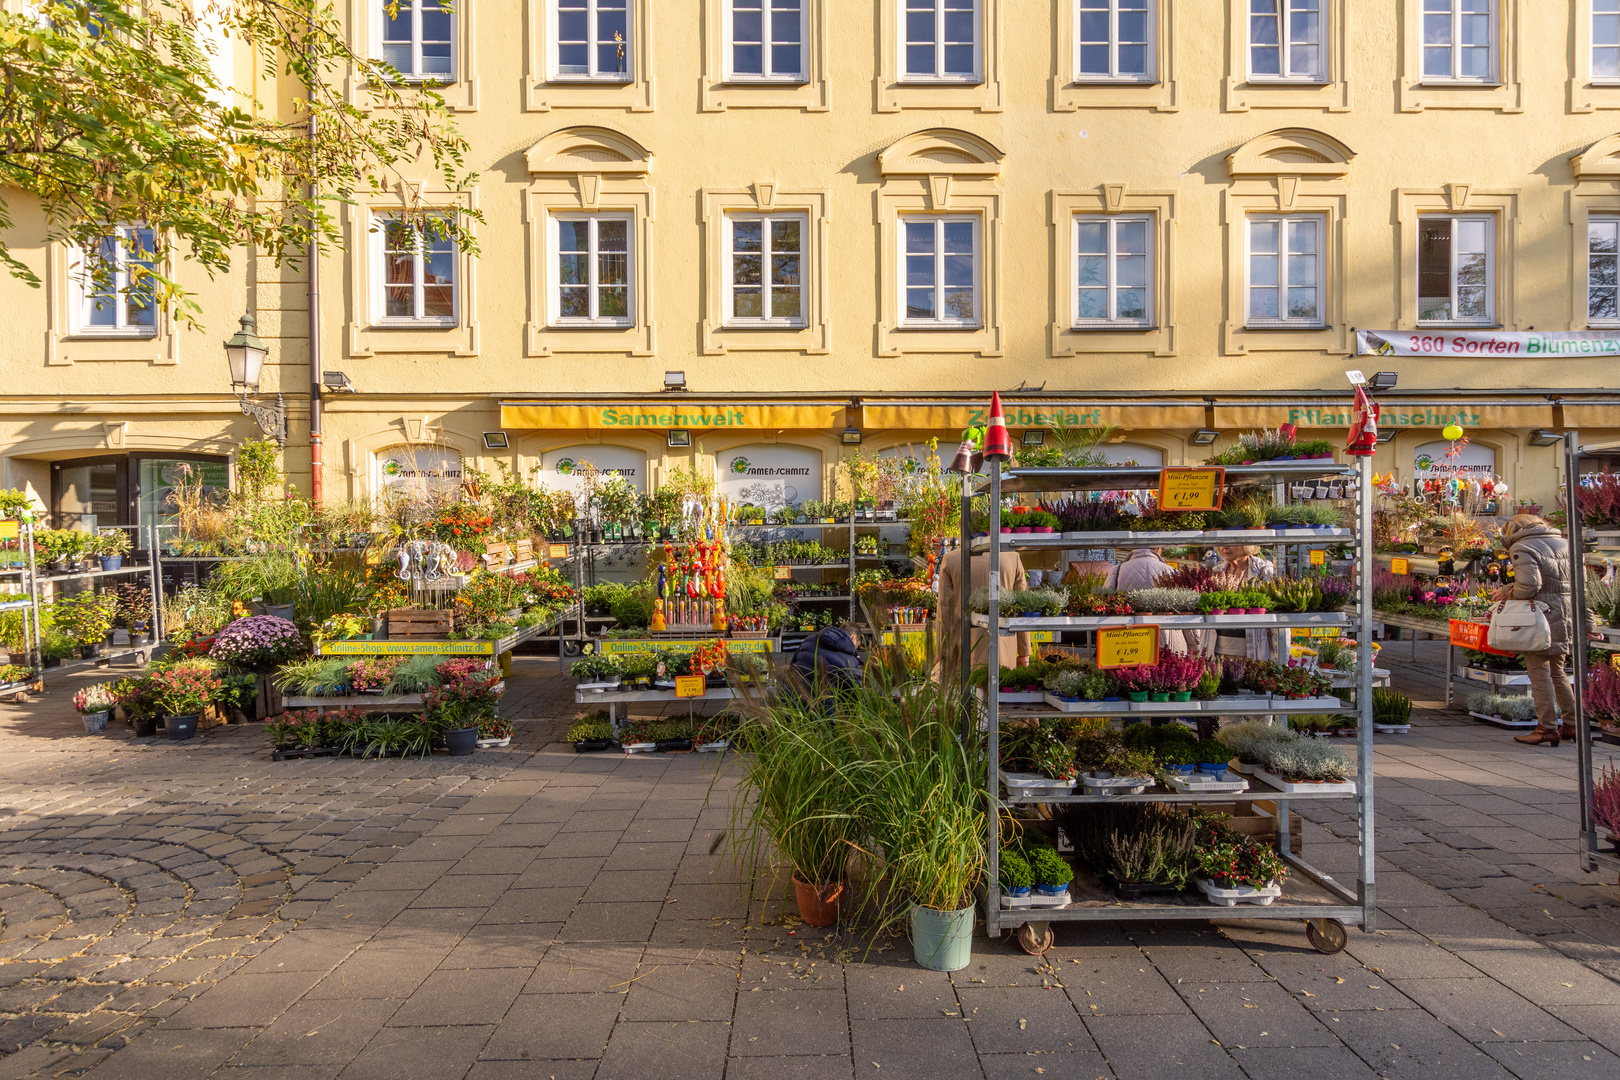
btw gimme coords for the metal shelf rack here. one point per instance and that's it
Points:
(1323, 903)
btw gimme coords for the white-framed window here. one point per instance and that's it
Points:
(1285, 263)
(1113, 270)
(1285, 40)
(765, 269)
(419, 40)
(1456, 271)
(1606, 40)
(1459, 40)
(591, 257)
(940, 277)
(765, 40)
(941, 40)
(1603, 270)
(414, 260)
(591, 39)
(110, 307)
(1115, 41)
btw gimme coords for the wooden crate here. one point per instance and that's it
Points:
(411, 624)
(1259, 820)
(496, 555)
(522, 550)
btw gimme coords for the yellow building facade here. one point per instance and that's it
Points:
(858, 217)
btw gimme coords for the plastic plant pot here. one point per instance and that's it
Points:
(112, 562)
(461, 741)
(180, 728)
(1181, 770)
(1137, 695)
(95, 722)
(1212, 768)
(942, 940)
(1158, 697)
(1181, 695)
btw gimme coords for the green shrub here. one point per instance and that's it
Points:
(1016, 873)
(1050, 868)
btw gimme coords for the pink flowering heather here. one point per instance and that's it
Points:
(258, 639)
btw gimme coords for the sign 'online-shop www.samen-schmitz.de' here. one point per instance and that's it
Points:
(1486, 343)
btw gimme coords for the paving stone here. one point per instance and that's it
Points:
(465, 890)
(462, 996)
(534, 905)
(246, 1001)
(676, 1051)
(912, 1050)
(1178, 1044)
(502, 945)
(534, 1070)
(1482, 1010)
(1290, 1062)
(610, 922)
(1255, 1014)
(318, 1032)
(1078, 1064)
(823, 1067)
(881, 992)
(597, 967)
(1121, 987)
(775, 1023)
(1581, 1060)
(556, 1026)
(173, 1055)
(1409, 1044)
(682, 986)
(395, 1052)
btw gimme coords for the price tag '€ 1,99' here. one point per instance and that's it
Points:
(1123, 646)
(1399, 566)
(1318, 557)
(688, 686)
(1191, 489)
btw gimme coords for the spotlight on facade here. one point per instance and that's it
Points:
(1383, 380)
(674, 380)
(1386, 435)
(495, 440)
(1034, 437)
(1543, 437)
(850, 436)
(680, 438)
(337, 382)
(1204, 436)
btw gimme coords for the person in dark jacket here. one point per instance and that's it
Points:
(1541, 572)
(828, 660)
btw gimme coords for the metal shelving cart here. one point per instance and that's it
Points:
(1325, 905)
(1592, 856)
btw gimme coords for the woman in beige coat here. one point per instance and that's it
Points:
(1541, 564)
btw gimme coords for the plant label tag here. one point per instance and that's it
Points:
(1191, 489)
(1399, 566)
(1126, 646)
(783, 573)
(1614, 660)
(1318, 557)
(688, 686)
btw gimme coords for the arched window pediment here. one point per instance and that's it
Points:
(940, 151)
(588, 150)
(1291, 152)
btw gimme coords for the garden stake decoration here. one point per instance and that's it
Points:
(997, 444)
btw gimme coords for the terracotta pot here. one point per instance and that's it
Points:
(817, 906)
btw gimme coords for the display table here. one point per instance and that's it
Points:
(614, 698)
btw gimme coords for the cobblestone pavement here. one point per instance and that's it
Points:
(197, 910)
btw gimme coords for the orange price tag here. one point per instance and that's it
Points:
(783, 573)
(1614, 660)
(557, 551)
(9, 530)
(688, 686)
(1399, 566)
(1191, 489)
(1124, 646)
(1318, 557)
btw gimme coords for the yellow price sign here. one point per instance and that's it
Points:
(783, 573)
(1191, 489)
(1318, 557)
(1614, 660)
(9, 530)
(688, 686)
(1399, 566)
(1124, 646)
(557, 551)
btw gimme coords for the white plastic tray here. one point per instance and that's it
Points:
(1117, 785)
(1241, 895)
(1347, 787)
(1227, 782)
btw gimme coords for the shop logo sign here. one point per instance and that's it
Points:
(391, 467)
(566, 466)
(739, 465)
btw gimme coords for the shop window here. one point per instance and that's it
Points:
(415, 272)
(159, 479)
(769, 475)
(1285, 271)
(941, 40)
(940, 54)
(1602, 273)
(418, 39)
(941, 266)
(1285, 40)
(1113, 270)
(418, 471)
(112, 295)
(591, 258)
(766, 266)
(1115, 41)
(765, 40)
(564, 468)
(1455, 275)
(1459, 40)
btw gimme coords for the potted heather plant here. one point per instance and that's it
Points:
(95, 704)
(1135, 682)
(1179, 674)
(1606, 803)
(257, 643)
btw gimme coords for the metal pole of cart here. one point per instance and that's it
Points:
(964, 587)
(36, 650)
(1577, 645)
(992, 696)
(1364, 683)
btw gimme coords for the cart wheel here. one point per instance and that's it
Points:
(1036, 938)
(19, 698)
(1326, 936)
(570, 648)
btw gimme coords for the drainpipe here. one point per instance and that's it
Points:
(315, 435)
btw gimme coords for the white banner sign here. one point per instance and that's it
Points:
(1437, 342)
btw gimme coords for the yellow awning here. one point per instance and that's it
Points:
(1592, 416)
(671, 412)
(1396, 414)
(952, 417)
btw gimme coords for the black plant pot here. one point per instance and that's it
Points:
(461, 741)
(145, 726)
(180, 727)
(52, 661)
(90, 652)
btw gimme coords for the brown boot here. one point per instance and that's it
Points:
(1539, 737)
(1566, 730)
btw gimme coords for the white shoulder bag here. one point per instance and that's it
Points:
(1519, 626)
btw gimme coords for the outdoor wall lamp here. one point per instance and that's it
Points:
(245, 354)
(1034, 437)
(1383, 380)
(1543, 437)
(495, 440)
(680, 438)
(1204, 437)
(674, 380)
(850, 436)
(337, 382)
